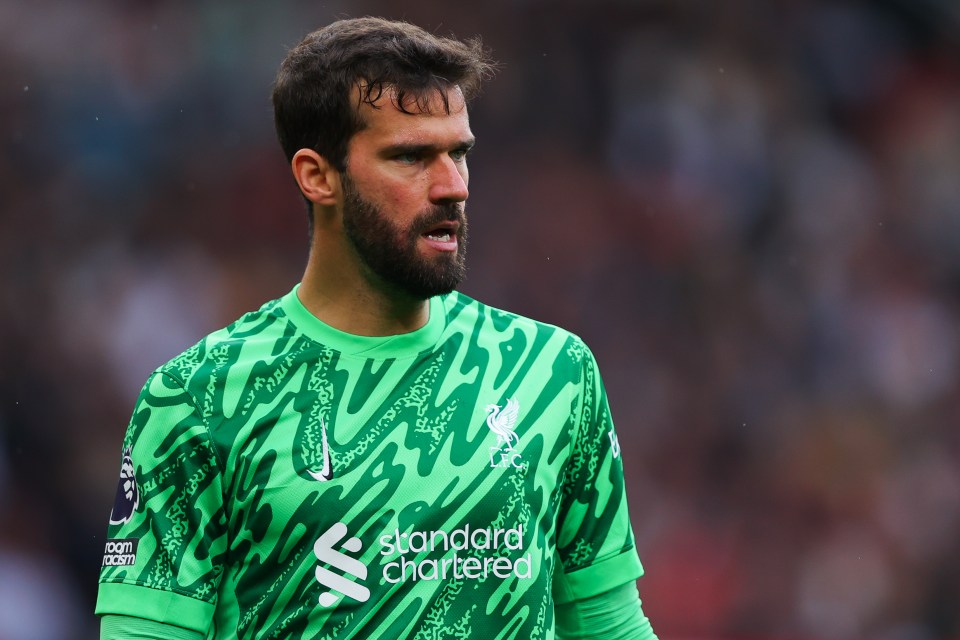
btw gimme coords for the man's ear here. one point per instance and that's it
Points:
(318, 179)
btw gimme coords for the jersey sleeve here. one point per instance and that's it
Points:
(166, 539)
(128, 628)
(595, 541)
(613, 615)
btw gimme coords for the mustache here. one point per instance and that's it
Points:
(450, 212)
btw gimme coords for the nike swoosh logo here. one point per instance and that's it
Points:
(327, 472)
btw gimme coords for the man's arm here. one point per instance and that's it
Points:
(166, 541)
(114, 627)
(613, 615)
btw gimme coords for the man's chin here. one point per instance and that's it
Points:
(433, 289)
(436, 284)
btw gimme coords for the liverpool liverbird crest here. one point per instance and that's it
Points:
(502, 421)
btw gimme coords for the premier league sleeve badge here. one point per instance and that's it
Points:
(128, 494)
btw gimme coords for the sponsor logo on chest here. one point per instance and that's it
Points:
(465, 553)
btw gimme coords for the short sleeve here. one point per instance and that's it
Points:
(166, 540)
(595, 542)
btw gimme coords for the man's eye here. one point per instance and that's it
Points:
(406, 158)
(459, 154)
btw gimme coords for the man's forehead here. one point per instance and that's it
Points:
(432, 101)
(419, 123)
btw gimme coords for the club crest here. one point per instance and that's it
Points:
(502, 421)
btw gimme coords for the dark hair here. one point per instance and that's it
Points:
(312, 94)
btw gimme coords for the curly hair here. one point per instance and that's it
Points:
(313, 94)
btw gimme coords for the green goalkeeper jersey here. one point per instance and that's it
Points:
(282, 479)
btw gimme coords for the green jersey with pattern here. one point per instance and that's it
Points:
(282, 479)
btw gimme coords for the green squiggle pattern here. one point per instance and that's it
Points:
(224, 439)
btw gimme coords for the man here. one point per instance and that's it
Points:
(375, 454)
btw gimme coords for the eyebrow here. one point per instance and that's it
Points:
(421, 149)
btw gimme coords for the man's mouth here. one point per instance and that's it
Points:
(443, 236)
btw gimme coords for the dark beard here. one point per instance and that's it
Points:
(391, 252)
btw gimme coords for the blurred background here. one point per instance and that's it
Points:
(750, 210)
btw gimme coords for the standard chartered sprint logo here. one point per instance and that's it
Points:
(323, 549)
(477, 554)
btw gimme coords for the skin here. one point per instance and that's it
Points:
(404, 164)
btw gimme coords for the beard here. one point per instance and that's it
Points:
(391, 252)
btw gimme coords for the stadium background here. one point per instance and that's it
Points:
(749, 209)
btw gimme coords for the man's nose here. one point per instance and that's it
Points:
(448, 181)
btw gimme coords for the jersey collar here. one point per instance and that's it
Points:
(398, 346)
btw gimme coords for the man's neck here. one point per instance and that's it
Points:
(359, 307)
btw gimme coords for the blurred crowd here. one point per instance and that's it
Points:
(749, 209)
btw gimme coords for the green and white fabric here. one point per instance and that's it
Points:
(283, 479)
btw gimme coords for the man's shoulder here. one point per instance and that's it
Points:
(224, 347)
(465, 312)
